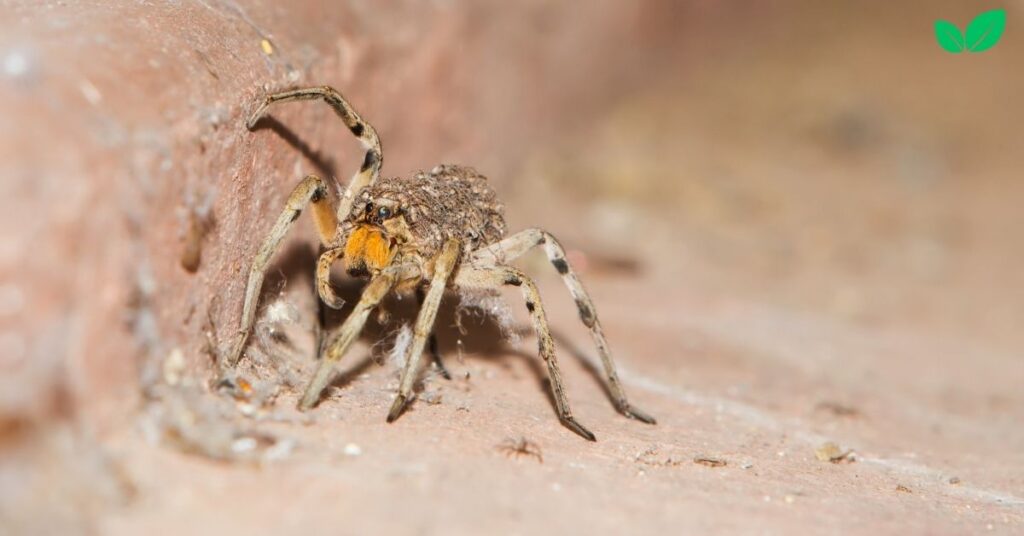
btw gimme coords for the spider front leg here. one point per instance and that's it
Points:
(361, 129)
(339, 342)
(443, 267)
(312, 190)
(515, 246)
(484, 276)
(323, 277)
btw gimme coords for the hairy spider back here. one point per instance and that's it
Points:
(448, 202)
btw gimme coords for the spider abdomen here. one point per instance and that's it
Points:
(446, 202)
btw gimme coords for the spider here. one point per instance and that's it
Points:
(433, 231)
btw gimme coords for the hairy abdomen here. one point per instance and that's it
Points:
(448, 202)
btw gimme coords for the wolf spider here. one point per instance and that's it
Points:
(425, 233)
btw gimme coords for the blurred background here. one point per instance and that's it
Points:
(798, 220)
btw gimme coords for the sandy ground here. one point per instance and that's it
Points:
(757, 387)
(805, 259)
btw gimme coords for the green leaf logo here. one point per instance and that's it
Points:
(949, 36)
(985, 30)
(982, 33)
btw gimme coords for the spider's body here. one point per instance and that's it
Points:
(436, 230)
(410, 219)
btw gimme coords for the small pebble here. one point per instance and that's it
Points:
(174, 367)
(353, 450)
(243, 444)
(281, 450)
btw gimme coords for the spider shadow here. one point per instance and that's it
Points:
(325, 165)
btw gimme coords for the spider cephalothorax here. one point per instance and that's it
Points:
(426, 233)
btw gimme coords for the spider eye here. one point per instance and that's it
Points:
(383, 213)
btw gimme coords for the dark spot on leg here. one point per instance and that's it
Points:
(318, 194)
(370, 160)
(513, 280)
(357, 129)
(295, 215)
(586, 314)
(530, 306)
(561, 266)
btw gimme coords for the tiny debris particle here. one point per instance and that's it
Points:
(267, 46)
(280, 450)
(830, 452)
(902, 488)
(174, 367)
(16, 64)
(434, 398)
(710, 462)
(954, 480)
(789, 499)
(90, 92)
(243, 444)
(352, 449)
(837, 409)
(651, 457)
(198, 226)
(239, 388)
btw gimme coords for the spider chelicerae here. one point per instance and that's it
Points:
(433, 231)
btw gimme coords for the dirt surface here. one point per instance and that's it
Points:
(799, 226)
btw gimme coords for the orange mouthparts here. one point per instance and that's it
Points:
(367, 250)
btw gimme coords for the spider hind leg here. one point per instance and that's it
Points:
(518, 244)
(485, 277)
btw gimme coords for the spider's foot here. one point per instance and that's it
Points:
(571, 424)
(397, 408)
(321, 378)
(635, 413)
(307, 401)
(443, 370)
(257, 114)
(227, 362)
